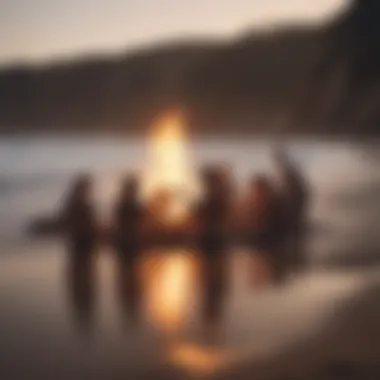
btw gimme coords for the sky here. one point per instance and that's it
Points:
(43, 30)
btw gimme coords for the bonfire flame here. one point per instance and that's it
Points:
(169, 183)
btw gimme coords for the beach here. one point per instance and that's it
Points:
(322, 322)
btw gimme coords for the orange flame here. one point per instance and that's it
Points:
(169, 177)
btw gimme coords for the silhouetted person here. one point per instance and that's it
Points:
(81, 234)
(212, 216)
(294, 195)
(213, 211)
(128, 217)
(263, 222)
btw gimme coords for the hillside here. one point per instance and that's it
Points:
(294, 79)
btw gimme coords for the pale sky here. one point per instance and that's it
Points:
(41, 30)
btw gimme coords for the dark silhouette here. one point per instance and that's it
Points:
(79, 220)
(213, 211)
(81, 291)
(294, 196)
(212, 216)
(214, 281)
(81, 233)
(264, 223)
(128, 290)
(128, 218)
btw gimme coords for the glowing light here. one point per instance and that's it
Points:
(169, 179)
(201, 360)
(170, 289)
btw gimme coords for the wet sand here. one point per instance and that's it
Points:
(325, 320)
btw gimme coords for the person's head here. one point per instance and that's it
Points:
(211, 179)
(81, 190)
(130, 187)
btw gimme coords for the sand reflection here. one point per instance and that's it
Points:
(170, 288)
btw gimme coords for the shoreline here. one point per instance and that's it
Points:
(118, 136)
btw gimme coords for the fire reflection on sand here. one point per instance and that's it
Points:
(170, 284)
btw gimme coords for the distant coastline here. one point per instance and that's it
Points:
(319, 80)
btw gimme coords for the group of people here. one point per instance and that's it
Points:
(267, 217)
(271, 218)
